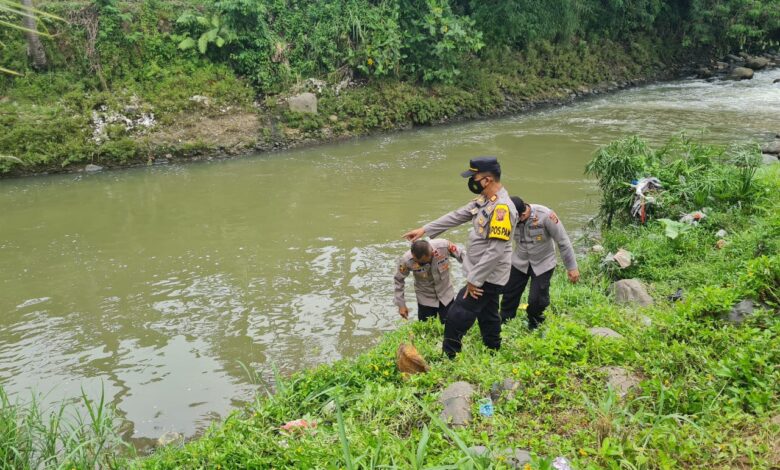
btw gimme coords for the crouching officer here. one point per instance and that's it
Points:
(534, 258)
(488, 256)
(429, 262)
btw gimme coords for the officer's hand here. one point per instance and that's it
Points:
(574, 276)
(473, 291)
(415, 234)
(404, 312)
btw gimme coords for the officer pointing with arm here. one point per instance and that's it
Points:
(488, 256)
(536, 234)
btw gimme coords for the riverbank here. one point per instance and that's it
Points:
(209, 114)
(699, 380)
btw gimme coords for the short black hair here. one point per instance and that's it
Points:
(496, 176)
(519, 204)
(421, 248)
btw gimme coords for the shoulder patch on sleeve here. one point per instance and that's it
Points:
(500, 223)
(553, 217)
(403, 268)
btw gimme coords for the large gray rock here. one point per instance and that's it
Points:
(741, 73)
(768, 159)
(514, 458)
(772, 148)
(601, 332)
(93, 168)
(457, 404)
(621, 380)
(740, 312)
(756, 63)
(631, 291)
(303, 103)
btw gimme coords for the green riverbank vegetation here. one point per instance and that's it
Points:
(706, 385)
(118, 83)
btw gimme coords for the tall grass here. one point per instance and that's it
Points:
(61, 437)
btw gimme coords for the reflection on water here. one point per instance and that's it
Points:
(156, 283)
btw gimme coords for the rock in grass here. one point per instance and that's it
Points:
(768, 159)
(621, 380)
(92, 168)
(457, 404)
(505, 389)
(740, 312)
(772, 148)
(514, 458)
(170, 438)
(303, 103)
(601, 332)
(721, 233)
(631, 291)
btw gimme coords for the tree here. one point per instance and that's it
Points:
(34, 46)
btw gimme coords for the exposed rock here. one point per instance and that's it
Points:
(704, 72)
(721, 65)
(514, 458)
(768, 159)
(756, 63)
(597, 249)
(170, 438)
(772, 148)
(601, 332)
(733, 58)
(776, 80)
(721, 233)
(631, 291)
(303, 103)
(740, 312)
(506, 389)
(333, 118)
(741, 73)
(457, 403)
(92, 168)
(677, 296)
(621, 380)
(200, 99)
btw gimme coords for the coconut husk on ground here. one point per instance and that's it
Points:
(410, 361)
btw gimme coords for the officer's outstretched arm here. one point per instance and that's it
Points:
(399, 280)
(447, 221)
(555, 228)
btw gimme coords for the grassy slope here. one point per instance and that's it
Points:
(708, 395)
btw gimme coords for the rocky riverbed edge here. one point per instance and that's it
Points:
(265, 131)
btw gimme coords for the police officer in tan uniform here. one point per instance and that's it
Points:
(536, 234)
(488, 256)
(429, 263)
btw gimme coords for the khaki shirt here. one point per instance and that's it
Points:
(534, 242)
(432, 283)
(489, 252)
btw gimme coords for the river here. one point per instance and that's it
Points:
(156, 284)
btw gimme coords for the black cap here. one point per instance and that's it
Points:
(482, 164)
(519, 204)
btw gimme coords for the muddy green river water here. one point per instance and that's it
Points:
(157, 283)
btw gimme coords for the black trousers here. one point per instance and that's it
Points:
(463, 313)
(425, 312)
(538, 297)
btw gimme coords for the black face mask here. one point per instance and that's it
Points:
(474, 185)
